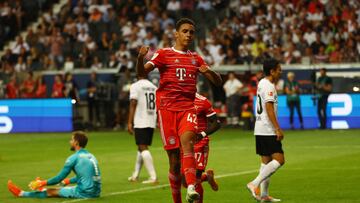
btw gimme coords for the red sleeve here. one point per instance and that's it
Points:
(157, 59)
(201, 61)
(209, 109)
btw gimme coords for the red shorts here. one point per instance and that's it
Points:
(201, 156)
(175, 123)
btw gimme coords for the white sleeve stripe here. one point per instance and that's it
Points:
(151, 63)
(272, 100)
(211, 114)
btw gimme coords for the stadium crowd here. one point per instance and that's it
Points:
(101, 34)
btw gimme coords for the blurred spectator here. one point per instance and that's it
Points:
(315, 46)
(232, 87)
(321, 57)
(82, 36)
(40, 87)
(258, 47)
(69, 64)
(71, 88)
(104, 43)
(292, 55)
(82, 25)
(56, 48)
(58, 87)
(123, 51)
(324, 87)
(8, 57)
(292, 91)
(207, 57)
(125, 65)
(28, 86)
(113, 63)
(20, 65)
(96, 65)
(93, 105)
(18, 45)
(12, 90)
(230, 58)
(173, 7)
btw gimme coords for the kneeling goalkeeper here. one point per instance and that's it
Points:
(87, 178)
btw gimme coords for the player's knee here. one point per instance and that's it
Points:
(52, 192)
(142, 147)
(281, 161)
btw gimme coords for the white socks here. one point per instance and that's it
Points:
(264, 185)
(148, 162)
(138, 164)
(267, 171)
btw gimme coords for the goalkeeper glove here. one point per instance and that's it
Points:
(37, 184)
(65, 182)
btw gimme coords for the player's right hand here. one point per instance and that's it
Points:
(37, 184)
(143, 50)
(65, 182)
(198, 138)
(279, 134)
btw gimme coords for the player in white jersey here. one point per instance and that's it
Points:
(267, 132)
(142, 121)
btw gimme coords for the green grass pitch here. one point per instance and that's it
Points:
(321, 166)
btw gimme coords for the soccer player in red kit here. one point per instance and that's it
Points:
(208, 123)
(175, 97)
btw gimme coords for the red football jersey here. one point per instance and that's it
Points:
(11, 91)
(178, 74)
(204, 110)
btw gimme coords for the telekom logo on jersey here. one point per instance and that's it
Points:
(181, 73)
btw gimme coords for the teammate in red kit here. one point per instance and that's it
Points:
(175, 97)
(208, 123)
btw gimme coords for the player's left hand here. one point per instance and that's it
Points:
(279, 134)
(37, 184)
(130, 128)
(204, 68)
(143, 50)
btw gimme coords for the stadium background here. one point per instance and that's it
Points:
(51, 38)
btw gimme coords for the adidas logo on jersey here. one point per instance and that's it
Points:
(177, 61)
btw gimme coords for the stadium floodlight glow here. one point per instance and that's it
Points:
(356, 89)
(73, 101)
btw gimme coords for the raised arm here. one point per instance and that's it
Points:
(211, 75)
(141, 69)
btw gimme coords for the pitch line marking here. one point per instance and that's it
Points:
(161, 186)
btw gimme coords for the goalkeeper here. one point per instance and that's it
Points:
(87, 178)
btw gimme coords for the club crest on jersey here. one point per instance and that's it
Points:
(271, 94)
(171, 140)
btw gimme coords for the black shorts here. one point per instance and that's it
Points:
(268, 145)
(143, 136)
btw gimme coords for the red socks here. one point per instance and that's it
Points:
(175, 186)
(199, 189)
(189, 165)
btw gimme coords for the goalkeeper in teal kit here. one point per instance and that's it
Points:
(87, 178)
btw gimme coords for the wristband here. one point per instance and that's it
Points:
(203, 133)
